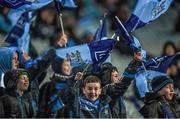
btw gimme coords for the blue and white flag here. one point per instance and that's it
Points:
(26, 5)
(101, 32)
(133, 42)
(94, 53)
(77, 55)
(100, 51)
(19, 35)
(145, 12)
(143, 80)
(64, 3)
(14, 4)
(159, 64)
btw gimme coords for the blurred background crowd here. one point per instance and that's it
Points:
(162, 37)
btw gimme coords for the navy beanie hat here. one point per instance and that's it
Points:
(160, 81)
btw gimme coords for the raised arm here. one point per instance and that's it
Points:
(120, 88)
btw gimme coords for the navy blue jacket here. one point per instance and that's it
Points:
(157, 107)
(80, 107)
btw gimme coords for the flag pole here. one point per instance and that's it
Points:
(85, 69)
(62, 26)
(148, 81)
(61, 22)
(3, 40)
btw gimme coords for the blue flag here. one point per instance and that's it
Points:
(145, 12)
(101, 32)
(19, 35)
(77, 55)
(93, 53)
(143, 80)
(159, 64)
(100, 51)
(64, 3)
(133, 42)
(26, 5)
(14, 4)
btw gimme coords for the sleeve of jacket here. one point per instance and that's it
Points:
(42, 64)
(150, 111)
(1, 108)
(119, 88)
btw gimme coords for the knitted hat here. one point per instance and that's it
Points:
(11, 76)
(160, 81)
(57, 65)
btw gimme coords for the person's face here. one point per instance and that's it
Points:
(47, 16)
(15, 62)
(92, 91)
(170, 50)
(172, 70)
(66, 67)
(23, 83)
(114, 77)
(167, 91)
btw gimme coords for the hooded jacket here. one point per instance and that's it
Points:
(13, 105)
(77, 109)
(81, 107)
(157, 107)
(117, 105)
(51, 95)
(6, 57)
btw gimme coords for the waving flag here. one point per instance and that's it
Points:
(100, 51)
(25, 5)
(101, 32)
(133, 42)
(145, 12)
(93, 53)
(143, 80)
(14, 4)
(64, 3)
(159, 64)
(19, 35)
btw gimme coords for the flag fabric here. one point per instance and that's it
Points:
(64, 3)
(132, 41)
(141, 83)
(19, 35)
(159, 64)
(25, 5)
(93, 53)
(14, 4)
(143, 79)
(101, 32)
(13, 16)
(77, 55)
(100, 51)
(145, 12)
(68, 3)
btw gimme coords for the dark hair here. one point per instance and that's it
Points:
(91, 79)
(114, 69)
(168, 43)
(11, 76)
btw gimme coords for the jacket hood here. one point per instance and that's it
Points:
(105, 74)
